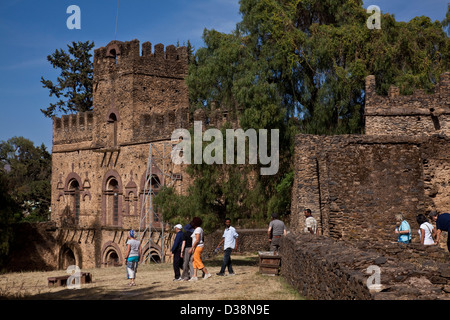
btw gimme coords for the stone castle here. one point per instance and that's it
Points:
(100, 157)
(354, 184)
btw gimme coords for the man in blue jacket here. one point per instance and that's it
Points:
(176, 251)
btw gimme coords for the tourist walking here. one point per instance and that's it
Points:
(310, 222)
(442, 224)
(230, 242)
(402, 229)
(188, 269)
(276, 230)
(176, 251)
(426, 230)
(197, 249)
(132, 256)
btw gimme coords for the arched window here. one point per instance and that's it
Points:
(112, 119)
(74, 192)
(112, 202)
(147, 206)
(112, 199)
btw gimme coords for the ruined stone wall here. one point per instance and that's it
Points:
(249, 241)
(355, 184)
(410, 115)
(324, 269)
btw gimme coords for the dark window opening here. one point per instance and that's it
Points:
(113, 191)
(436, 123)
(74, 188)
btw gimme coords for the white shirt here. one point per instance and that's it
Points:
(199, 231)
(134, 246)
(428, 228)
(311, 223)
(230, 236)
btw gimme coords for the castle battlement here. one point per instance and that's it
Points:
(73, 128)
(416, 114)
(125, 56)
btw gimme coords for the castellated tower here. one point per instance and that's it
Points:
(146, 93)
(100, 157)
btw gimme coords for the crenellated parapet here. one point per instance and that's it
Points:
(416, 114)
(128, 56)
(73, 128)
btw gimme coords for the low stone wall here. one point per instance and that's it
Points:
(326, 269)
(250, 240)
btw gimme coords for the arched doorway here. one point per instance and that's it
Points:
(111, 255)
(112, 258)
(69, 255)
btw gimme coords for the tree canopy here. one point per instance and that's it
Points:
(73, 87)
(26, 171)
(300, 66)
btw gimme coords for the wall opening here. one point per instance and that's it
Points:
(112, 259)
(112, 202)
(67, 258)
(112, 119)
(74, 192)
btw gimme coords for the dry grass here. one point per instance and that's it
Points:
(154, 282)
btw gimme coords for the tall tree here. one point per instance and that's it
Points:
(74, 85)
(27, 170)
(300, 65)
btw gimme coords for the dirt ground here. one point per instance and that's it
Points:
(155, 282)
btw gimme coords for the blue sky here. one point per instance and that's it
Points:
(31, 30)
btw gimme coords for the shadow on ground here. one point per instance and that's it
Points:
(235, 260)
(103, 293)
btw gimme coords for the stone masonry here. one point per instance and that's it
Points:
(100, 157)
(355, 184)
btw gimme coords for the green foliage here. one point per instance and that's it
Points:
(300, 66)
(217, 191)
(27, 173)
(8, 208)
(74, 85)
(281, 200)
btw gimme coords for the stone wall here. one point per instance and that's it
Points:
(324, 269)
(45, 247)
(99, 162)
(250, 241)
(416, 114)
(354, 184)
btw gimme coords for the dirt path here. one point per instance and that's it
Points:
(155, 282)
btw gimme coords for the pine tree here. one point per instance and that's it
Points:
(74, 85)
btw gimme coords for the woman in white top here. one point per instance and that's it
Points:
(426, 230)
(197, 249)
